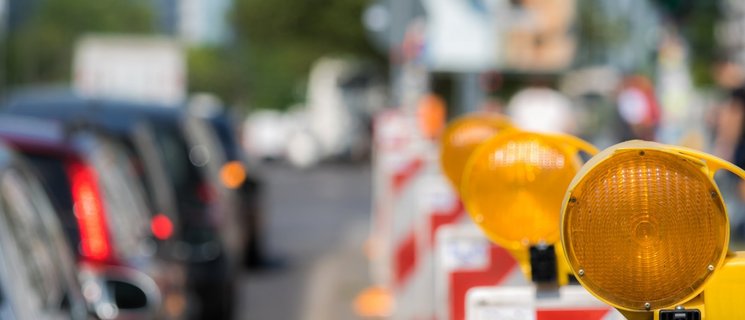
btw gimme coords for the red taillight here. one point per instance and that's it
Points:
(205, 193)
(161, 226)
(89, 212)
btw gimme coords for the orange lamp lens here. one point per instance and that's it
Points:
(514, 185)
(644, 228)
(233, 174)
(431, 114)
(462, 137)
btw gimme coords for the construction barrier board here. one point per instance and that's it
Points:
(529, 303)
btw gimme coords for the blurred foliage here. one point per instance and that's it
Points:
(696, 22)
(212, 69)
(597, 32)
(699, 29)
(40, 51)
(280, 40)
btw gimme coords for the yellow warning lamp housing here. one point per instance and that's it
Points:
(644, 228)
(513, 186)
(462, 136)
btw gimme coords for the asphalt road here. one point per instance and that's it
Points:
(317, 221)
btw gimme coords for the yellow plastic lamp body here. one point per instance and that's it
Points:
(644, 227)
(462, 136)
(723, 295)
(513, 187)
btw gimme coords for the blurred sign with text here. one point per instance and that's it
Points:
(134, 68)
(520, 36)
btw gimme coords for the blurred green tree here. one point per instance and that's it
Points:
(696, 22)
(213, 69)
(597, 32)
(40, 51)
(280, 39)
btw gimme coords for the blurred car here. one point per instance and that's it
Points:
(212, 233)
(205, 234)
(235, 174)
(37, 270)
(265, 134)
(104, 217)
(138, 138)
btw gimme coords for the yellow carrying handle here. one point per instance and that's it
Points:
(712, 162)
(574, 144)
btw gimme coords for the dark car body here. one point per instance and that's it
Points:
(37, 271)
(205, 235)
(104, 216)
(250, 189)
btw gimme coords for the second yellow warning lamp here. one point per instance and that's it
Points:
(645, 229)
(513, 186)
(462, 136)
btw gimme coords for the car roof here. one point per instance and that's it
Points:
(33, 129)
(68, 107)
(31, 134)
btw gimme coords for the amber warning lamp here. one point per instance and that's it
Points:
(644, 228)
(462, 136)
(513, 186)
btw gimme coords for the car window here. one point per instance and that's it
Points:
(67, 272)
(205, 150)
(127, 213)
(193, 191)
(136, 162)
(153, 173)
(52, 171)
(40, 268)
(23, 304)
(175, 154)
(224, 130)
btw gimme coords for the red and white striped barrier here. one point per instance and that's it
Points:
(465, 259)
(527, 303)
(411, 200)
(433, 260)
(394, 164)
(428, 196)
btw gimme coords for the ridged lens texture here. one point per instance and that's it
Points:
(462, 137)
(514, 187)
(644, 227)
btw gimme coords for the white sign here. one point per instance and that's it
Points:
(464, 253)
(135, 68)
(461, 34)
(478, 35)
(526, 302)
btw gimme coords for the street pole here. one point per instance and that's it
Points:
(470, 95)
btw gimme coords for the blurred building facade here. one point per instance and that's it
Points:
(166, 15)
(203, 22)
(196, 22)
